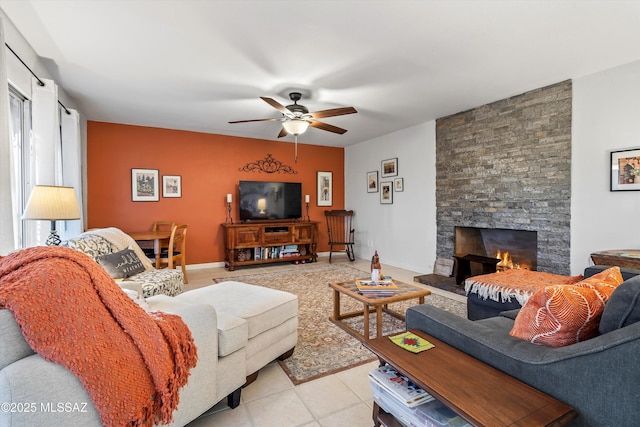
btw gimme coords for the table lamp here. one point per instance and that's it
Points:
(52, 203)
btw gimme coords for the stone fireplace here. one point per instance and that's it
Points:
(507, 165)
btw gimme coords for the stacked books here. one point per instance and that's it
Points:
(376, 288)
(399, 387)
(289, 251)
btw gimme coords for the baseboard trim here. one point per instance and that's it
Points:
(221, 263)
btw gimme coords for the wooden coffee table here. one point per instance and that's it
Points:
(405, 292)
(479, 393)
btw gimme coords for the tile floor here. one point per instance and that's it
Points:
(341, 399)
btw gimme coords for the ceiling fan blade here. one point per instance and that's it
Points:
(275, 104)
(254, 120)
(326, 126)
(333, 112)
(282, 133)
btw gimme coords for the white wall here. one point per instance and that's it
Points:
(606, 117)
(606, 111)
(403, 233)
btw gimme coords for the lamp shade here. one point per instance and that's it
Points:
(295, 126)
(48, 202)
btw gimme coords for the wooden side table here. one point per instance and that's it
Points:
(629, 258)
(479, 393)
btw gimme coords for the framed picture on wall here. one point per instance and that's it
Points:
(389, 167)
(372, 182)
(386, 193)
(398, 184)
(325, 188)
(171, 186)
(144, 185)
(625, 170)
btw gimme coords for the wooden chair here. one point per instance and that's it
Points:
(341, 232)
(176, 252)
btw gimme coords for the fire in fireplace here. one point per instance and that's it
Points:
(514, 248)
(506, 262)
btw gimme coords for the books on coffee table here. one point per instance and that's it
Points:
(399, 386)
(385, 287)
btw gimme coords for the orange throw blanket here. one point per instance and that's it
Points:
(518, 284)
(132, 363)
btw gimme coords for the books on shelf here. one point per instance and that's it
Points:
(399, 386)
(384, 287)
(274, 252)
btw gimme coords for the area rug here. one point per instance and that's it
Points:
(323, 348)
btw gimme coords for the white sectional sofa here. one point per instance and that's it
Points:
(237, 328)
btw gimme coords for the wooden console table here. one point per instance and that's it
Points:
(241, 241)
(629, 258)
(482, 395)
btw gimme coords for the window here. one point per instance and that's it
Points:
(20, 128)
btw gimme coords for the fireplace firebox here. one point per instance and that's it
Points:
(514, 248)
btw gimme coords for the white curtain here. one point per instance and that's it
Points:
(46, 151)
(8, 228)
(71, 168)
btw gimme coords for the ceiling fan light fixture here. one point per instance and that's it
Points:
(295, 126)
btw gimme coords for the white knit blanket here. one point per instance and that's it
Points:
(121, 241)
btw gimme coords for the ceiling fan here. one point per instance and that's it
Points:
(296, 118)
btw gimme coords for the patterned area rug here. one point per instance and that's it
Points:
(323, 348)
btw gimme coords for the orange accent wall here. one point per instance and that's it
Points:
(209, 166)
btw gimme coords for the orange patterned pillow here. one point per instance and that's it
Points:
(560, 315)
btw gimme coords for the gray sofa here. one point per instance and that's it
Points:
(598, 377)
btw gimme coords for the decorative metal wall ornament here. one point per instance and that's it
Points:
(268, 165)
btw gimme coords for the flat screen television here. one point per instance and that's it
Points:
(265, 200)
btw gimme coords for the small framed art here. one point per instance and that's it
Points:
(389, 167)
(144, 185)
(325, 188)
(372, 182)
(625, 170)
(386, 193)
(398, 184)
(171, 186)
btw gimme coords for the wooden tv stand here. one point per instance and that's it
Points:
(479, 393)
(263, 242)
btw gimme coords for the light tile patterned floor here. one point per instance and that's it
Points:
(341, 399)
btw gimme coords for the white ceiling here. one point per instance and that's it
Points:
(195, 65)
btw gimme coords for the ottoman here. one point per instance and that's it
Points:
(261, 320)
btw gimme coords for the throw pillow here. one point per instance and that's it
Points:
(561, 315)
(623, 308)
(121, 264)
(604, 283)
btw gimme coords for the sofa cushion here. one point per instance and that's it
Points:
(137, 298)
(121, 264)
(166, 281)
(13, 346)
(233, 333)
(262, 308)
(623, 307)
(560, 315)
